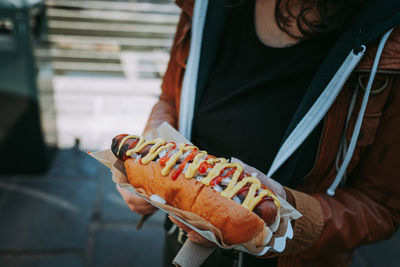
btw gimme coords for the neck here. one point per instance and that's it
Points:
(267, 29)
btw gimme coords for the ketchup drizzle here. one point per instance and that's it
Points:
(167, 156)
(219, 178)
(204, 166)
(189, 157)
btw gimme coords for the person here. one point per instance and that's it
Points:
(245, 76)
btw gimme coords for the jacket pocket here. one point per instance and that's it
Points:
(368, 129)
(366, 137)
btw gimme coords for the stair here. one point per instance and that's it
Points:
(101, 68)
(90, 36)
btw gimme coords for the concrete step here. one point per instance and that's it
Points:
(168, 8)
(107, 43)
(111, 29)
(81, 87)
(78, 55)
(131, 64)
(138, 65)
(105, 68)
(95, 109)
(111, 16)
(144, 72)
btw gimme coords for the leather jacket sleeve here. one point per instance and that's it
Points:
(167, 108)
(163, 111)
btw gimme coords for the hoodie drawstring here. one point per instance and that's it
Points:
(343, 141)
(350, 150)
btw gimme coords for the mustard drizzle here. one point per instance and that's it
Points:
(233, 186)
(125, 139)
(197, 161)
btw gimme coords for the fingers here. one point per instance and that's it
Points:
(198, 239)
(142, 209)
(136, 203)
(180, 224)
(125, 193)
(193, 235)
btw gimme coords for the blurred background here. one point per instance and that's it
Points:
(73, 74)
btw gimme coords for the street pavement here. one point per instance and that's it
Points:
(73, 216)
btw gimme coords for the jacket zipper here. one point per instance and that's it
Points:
(318, 111)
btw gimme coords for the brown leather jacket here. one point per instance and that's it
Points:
(367, 209)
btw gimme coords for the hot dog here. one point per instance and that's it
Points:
(191, 180)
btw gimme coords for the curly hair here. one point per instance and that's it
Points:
(332, 15)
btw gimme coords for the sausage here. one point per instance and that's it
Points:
(129, 144)
(265, 209)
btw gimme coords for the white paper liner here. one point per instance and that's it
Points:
(277, 233)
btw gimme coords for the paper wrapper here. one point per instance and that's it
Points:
(277, 233)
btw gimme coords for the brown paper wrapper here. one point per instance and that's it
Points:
(274, 238)
(191, 254)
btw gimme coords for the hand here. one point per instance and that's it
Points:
(192, 235)
(135, 203)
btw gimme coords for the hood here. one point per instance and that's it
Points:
(370, 23)
(373, 20)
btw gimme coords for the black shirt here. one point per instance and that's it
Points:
(246, 107)
(253, 92)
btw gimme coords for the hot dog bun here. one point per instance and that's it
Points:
(237, 223)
